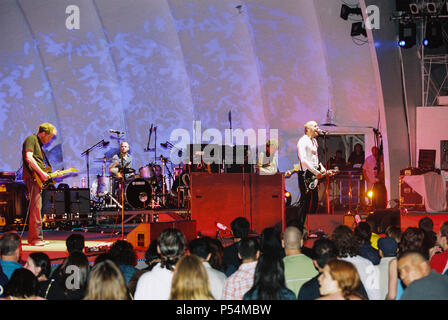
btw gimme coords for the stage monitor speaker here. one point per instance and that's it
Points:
(142, 235)
(53, 201)
(382, 219)
(13, 202)
(408, 196)
(427, 159)
(78, 200)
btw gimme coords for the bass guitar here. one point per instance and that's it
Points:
(310, 179)
(57, 174)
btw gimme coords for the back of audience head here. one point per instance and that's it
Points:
(340, 276)
(75, 242)
(412, 266)
(412, 240)
(240, 228)
(200, 247)
(363, 233)
(22, 285)
(39, 264)
(269, 277)
(190, 280)
(123, 253)
(171, 247)
(10, 246)
(373, 225)
(270, 241)
(387, 247)
(345, 241)
(106, 282)
(292, 238)
(217, 251)
(75, 261)
(394, 232)
(442, 236)
(248, 249)
(323, 250)
(426, 224)
(152, 257)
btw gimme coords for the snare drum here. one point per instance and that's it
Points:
(138, 193)
(102, 185)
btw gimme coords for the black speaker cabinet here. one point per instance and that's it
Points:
(74, 200)
(385, 218)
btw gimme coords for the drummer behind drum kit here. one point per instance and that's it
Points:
(144, 189)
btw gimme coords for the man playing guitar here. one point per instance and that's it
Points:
(308, 161)
(34, 164)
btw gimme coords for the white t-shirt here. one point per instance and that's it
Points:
(217, 280)
(307, 152)
(267, 165)
(368, 274)
(154, 285)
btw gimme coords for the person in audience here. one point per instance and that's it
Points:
(271, 242)
(10, 250)
(72, 276)
(240, 229)
(269, 280)
(363, 234)
(430, 240)
(151, 259)
(242, 280)
(156, 284)
(338, 161)
(388, 251)
(106, 282)
(357, 157)
(201, 248)
(394, 232)
(375, 233)
(439, 261)
(348, 250)
(421, 282)
(217, 250)
(39, 264)
(75, 242)
(298, 267)
(190, 280)
(22, 285)
(124, 256)
(339, 281)
(3, 281)
(411, 240)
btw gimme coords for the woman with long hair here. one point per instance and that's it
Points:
(339, 281)
(269, 280)
(106, 282)
(190, 280)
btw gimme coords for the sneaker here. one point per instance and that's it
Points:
(39, 243)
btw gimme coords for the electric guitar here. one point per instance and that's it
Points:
(57, 174)
(311, 181)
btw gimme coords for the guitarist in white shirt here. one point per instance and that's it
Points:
(308, 161)
(33, 162)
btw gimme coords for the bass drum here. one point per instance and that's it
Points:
(138, 193)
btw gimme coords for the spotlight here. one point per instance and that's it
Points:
(346, 11)
(370, 194)
(431, 7)
(358, 29)
(433, 35)
(288, 198)
(407, 34)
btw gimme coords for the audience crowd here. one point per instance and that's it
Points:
(349, 264)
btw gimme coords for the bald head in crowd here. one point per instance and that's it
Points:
(413, 266)
(292, 240)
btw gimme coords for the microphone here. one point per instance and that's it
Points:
(116, 131)
(322, 132)
(154, 129)
(220, 226)
(105, 143)
(164, 145)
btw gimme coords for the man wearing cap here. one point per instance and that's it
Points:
(387, 248)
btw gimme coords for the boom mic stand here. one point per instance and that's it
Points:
(87, 152)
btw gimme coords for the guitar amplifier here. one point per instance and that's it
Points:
(408, 196)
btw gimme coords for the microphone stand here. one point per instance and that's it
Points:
(86, 153)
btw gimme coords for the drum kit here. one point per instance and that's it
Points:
(142, 189)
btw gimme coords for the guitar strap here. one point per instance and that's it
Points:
(45, 156)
